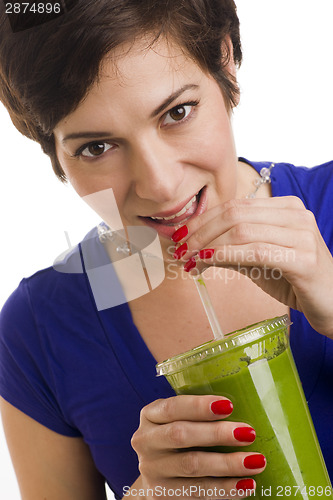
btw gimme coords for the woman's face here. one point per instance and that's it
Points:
(155, 129)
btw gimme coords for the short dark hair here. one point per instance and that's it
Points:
(47, 70)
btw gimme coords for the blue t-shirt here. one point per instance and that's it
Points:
(86, 372)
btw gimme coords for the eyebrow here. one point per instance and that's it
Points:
(86, 135)
(172, 97)
(98, 135)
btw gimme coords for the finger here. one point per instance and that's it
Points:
(281, 245)
(279, 237)
(277, 201)
(184, 434)
(214, 464)
(206, 488)
(259, 254)
(187, 407)
(238, 222)
(234, 207)
(247, 244)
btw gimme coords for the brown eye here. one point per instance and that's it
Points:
(95, 149)
(178, 113)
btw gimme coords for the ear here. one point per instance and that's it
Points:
(227, 52)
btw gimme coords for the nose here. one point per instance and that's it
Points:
(156, 170)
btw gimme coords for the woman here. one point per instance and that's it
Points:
(137, 98)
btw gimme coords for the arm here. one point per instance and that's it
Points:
(49, 465)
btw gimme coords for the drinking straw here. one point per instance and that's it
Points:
(208, 306)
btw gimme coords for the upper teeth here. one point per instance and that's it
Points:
(181, 212)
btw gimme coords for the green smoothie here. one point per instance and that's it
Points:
(255, 369)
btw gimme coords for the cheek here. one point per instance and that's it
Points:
(79, 182)
(88, 179)
(84, 179)
(214, 145)
(79, 178)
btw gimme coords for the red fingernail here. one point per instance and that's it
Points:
(180, 251)
(254, 461)
(190, 264)
(222, 407)
(206, 253)
(245, 434)
(180, 234)
(246, 484)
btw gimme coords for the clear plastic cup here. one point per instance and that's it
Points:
(254, 368)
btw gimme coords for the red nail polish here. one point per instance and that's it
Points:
(180, 234)
(190, 264)
(206, 253)
(254, 461)
(245, 434)
(246, 484)
(222, 407)
(180, 251)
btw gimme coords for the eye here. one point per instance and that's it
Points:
(179, 113)
(93, 149)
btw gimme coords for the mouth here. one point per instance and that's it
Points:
(165, 222)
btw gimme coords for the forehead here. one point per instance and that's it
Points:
(135, 77)
(141, 69)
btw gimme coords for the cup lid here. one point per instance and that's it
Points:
(231, 340)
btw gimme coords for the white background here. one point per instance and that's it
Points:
(285, 115)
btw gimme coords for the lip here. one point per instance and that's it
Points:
(175, 210)
(167, 230)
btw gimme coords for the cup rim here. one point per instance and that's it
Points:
(230, 341)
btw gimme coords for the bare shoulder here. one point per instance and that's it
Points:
(47, 464)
